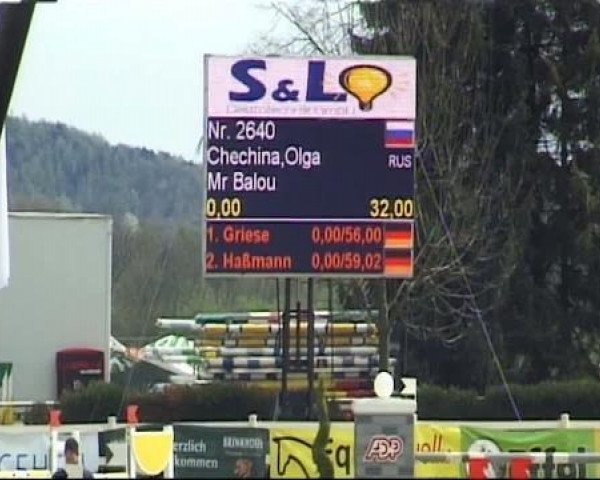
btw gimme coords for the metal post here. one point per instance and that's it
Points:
(310, 344)
(383, 327)
(331, 323)
(298, 348)
(278, 341)
(287, 294)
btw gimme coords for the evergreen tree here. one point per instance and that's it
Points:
(508, 132)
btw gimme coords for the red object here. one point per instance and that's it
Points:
(77, 367)
(478, 467)
(55, 418)
(132, 414)
(352, 384)
(520, 468)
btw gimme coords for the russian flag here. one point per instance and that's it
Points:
(399, 134)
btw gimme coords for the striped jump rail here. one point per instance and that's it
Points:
(299, 381)
(271, 316)
(262, 317)
(214, 352)
(266, 362)
(267, 351)
(264, 329)
(274, 374)
(270, 341)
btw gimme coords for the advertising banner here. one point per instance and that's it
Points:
(431, 437)
(291, 451)
(549, 440)
(241, 452)
(312, 88)
(31, 451)
(27, 451)
(206, 452)
(384, 445)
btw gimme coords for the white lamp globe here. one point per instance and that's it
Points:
(383, 385)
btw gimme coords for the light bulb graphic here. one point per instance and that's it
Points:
(365, 83)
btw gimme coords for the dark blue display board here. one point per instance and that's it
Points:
(318, 197)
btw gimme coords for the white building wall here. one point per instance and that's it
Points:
(59, 295)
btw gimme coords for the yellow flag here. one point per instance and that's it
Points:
(152, 450)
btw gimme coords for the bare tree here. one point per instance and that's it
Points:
(465, 196)
(313, 27)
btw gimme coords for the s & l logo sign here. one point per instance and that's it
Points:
(384, 449)
(364, 82)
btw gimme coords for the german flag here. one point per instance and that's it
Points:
(398, 264)
(399, 236)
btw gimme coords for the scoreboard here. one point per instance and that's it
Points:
(309, 166)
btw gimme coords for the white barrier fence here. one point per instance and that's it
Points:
(57, 435)
(535, 457)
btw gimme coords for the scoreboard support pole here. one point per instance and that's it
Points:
(310, 351)
(298, 363)
(383, 327)
(287, 294)
(297, 314)
(332, 326)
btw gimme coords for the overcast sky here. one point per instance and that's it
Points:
(130, 70)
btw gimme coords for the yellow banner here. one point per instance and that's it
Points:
(431, 437)
(291, 451)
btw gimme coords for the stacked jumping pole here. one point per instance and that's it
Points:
(247, 348)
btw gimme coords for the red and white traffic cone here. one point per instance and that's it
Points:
(520, 468)
(478, 468)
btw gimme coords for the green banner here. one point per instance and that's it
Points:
(211, 452)
(488, 440)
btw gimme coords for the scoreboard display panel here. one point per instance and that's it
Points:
(309, 166)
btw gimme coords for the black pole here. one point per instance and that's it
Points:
(15, 19)
(383, 324)
(298, 347)
(287, 294)
(278, 341)
(310, 346)
(279, 336)
(331, 323)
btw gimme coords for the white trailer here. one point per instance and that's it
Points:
(58, 296)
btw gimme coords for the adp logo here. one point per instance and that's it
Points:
(384, 449)
(363, 82)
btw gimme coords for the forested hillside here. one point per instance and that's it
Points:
(58, 166)
(155, 201)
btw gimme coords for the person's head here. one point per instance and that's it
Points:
(243, 468)
(60, 473)
(71, 451)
